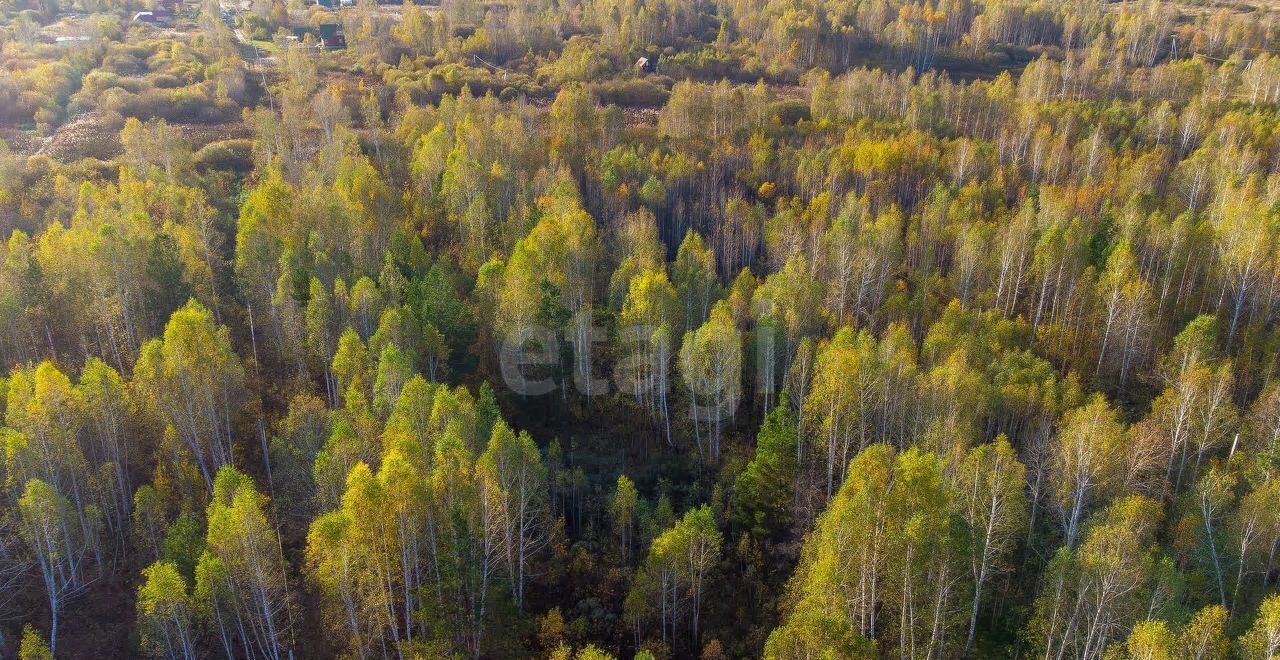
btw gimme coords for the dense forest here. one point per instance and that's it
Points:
(589, 329)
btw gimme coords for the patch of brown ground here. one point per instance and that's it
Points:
(88, 135)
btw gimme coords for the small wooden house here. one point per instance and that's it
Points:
(331, 36)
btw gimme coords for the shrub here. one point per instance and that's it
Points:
(228, 155)
(166, 81)
(636, 91)
(789, 112)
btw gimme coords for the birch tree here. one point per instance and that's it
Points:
(675, 572)
(1092, 593)
(695, 278)
(196, 382)
(1086, 462)
(166, 614)
(62, 554)
(1255, 528)
(241, 579)
(1263, 638)
(711, 365)
(840, 408)
(514, 465)
(990, 495)
(649, 314)
(554, 267)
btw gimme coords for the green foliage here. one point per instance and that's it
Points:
(677, 568)
(972, 306)
(33, 646)
(765, 489)
(166, 614)
(184, 544)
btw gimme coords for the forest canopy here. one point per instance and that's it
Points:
(588, 329)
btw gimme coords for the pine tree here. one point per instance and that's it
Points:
(765, 489)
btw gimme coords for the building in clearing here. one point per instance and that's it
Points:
(331, 36)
